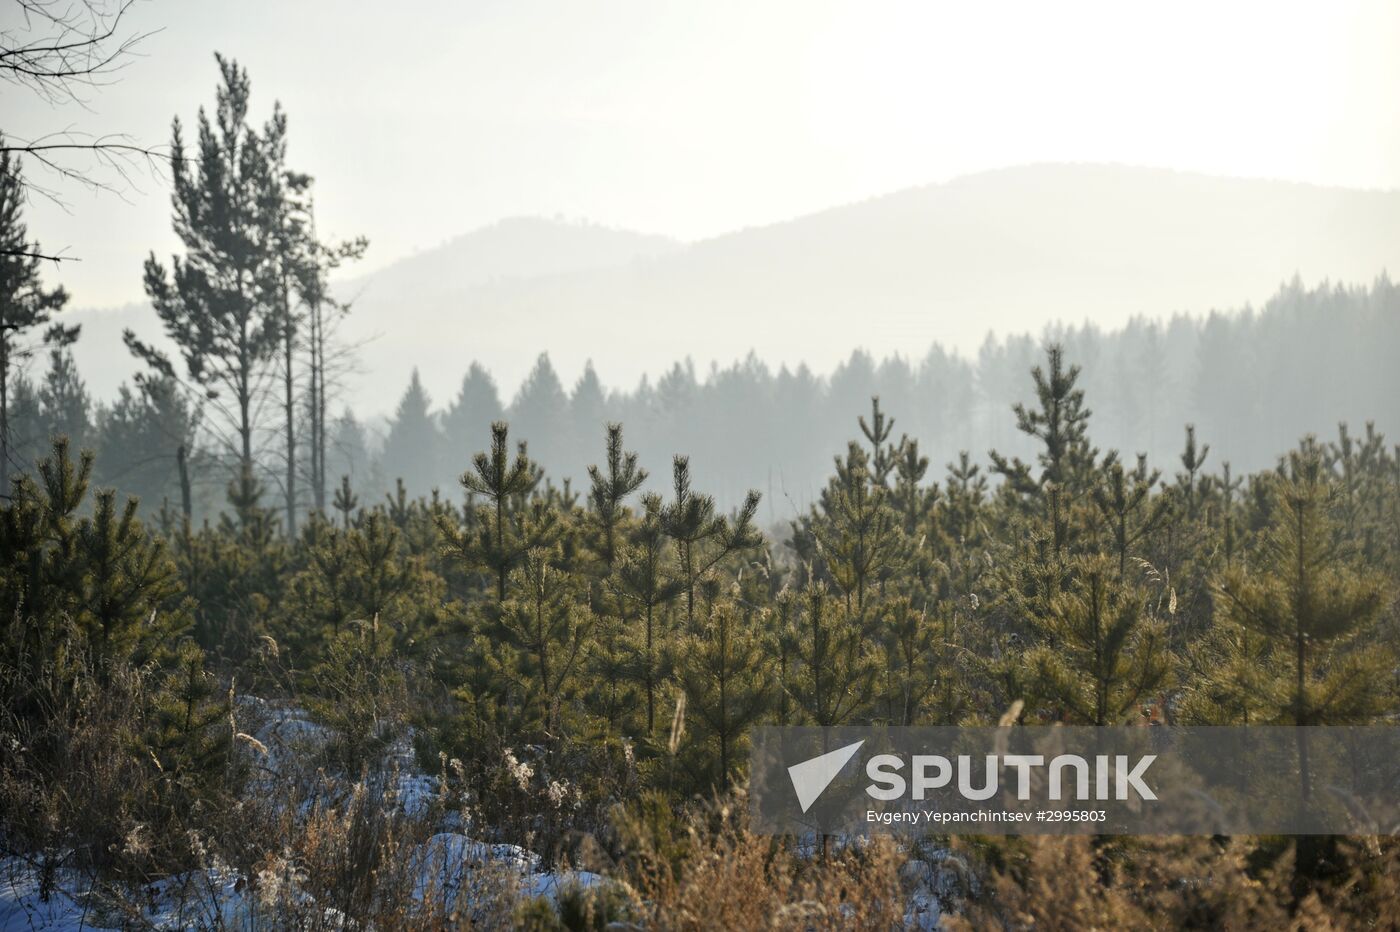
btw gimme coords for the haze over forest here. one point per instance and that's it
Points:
(1003, 252)
(844, 177)
(939, 299)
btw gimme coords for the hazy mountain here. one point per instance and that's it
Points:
(1007, 250)
(385, 299)
(518, 247)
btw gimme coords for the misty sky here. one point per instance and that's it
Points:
(425, 120)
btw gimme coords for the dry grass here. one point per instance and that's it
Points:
(1079, 883)
(707, 871)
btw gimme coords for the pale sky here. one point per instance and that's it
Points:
(425, 120)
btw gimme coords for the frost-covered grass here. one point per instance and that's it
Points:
(393, 849)
(454, 876)
(323, 851)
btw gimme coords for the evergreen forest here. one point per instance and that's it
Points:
(257, 648)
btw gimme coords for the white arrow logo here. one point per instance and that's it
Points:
(811, 777)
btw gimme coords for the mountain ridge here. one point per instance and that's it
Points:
(1004, 251)
(1007, 250)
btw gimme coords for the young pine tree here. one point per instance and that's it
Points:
(188, 733)
(129, 588)
(1310, 603)
(704, 538)
(549, 625)
(1234, 677)
(884, 456)
(345, 502)
(913, 501)
(912, 645)
(319, 595)
(359, 691)
(1190, 481)
(642, 580)
(101, 576)
(379, 574)
(834, 670)
(858, 532)
(1099, 656)
(960, 519)
(504, 483)
(609, 488)
(1059, 423)
(725, 674)
(1124, 500)
(966, 491)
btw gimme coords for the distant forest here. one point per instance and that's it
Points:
(1250, 381)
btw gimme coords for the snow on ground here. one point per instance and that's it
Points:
(451, 867)
(283, 737)
(22, 908)
(932, 883)
(198, 900)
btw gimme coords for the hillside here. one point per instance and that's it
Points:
(424, 288)
(514, 248)
(1004, 251)
(1007, 251)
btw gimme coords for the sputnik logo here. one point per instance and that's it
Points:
(811, 777)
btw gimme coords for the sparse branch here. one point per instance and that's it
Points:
(36, 254)
(102, 164)
(59, 49)
(65, 47)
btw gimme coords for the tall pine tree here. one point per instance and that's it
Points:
(219, 302)
(25, 304)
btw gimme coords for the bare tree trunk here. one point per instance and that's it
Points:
(186, 503)
(4, 412)
(313, 412)
(651, 678)
(318, 405)
(245, 432)
(289, 406)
